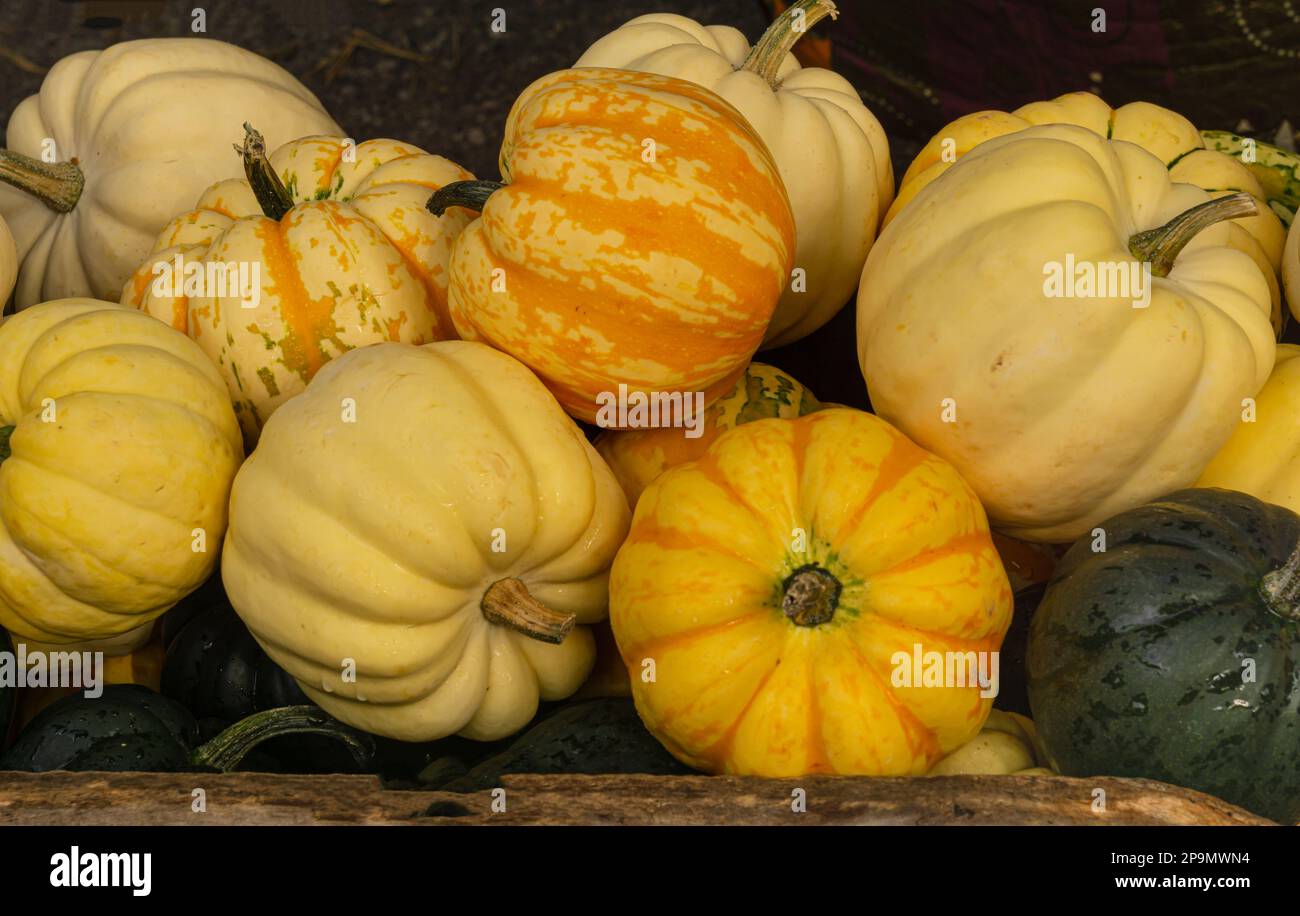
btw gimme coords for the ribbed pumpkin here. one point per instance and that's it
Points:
(118, 446)
(643, 237)
(417, 535)
(769, 595)
(1165, 134)
(347, 256)
(139, 129)
(8, 263)
(638, 456)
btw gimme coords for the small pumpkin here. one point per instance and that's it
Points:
(1172, 653)
(638, 456)
(1062, 407)
(346, 252)
(118, 445)
(451, 583)
(1263, 456)
(641, 236)
(1277, 170)
(142, 665)
(129, 727)
(1007, 746)
(771, 597)
(831, 150)
(139, 130)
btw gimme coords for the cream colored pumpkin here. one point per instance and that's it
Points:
(139, 130)
(117, 449)
(1060, 411)
(406, 497)
(830, 149)
(357, 259)
(8, 264)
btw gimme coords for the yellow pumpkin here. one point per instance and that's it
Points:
(638, 456)
(346, 255)
(118, 445)
(8, 264)
(1263, 456)
(1063, 405)
(771, 597)
(642, 237)
(1165, 134)
(416, 536)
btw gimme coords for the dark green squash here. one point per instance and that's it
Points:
(1175, 653)
(8, 695)
(129, 727)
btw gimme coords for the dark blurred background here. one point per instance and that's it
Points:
(435, 74)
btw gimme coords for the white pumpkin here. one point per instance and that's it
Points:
(830, 149)
(138, 131)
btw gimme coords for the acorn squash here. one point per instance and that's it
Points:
(1172, 653)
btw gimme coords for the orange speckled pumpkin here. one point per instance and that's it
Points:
(643, 237)
(346, 252)
(780, 583)
(638, 456)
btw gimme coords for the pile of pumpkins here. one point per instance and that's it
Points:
(376, 440)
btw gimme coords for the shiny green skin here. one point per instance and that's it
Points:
(1137, 655)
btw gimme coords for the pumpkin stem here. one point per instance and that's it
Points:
(771, 48)
(272, 196)
(1281, 588)
(508, 603)
(1162, 245)
(471, 195)
(5, 433)
(226, 750)
(811, 596)
(58, 185)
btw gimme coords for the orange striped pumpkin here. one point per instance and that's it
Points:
(771, 597)
(642, 236)
(348, 256)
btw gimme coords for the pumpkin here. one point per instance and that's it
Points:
(1063, 406)
(642, 237)
(1006, 746)
(1165, 134)
(1263, 456)
(829, 147)
(139, 130)
(1171, 654)
(638, 456)
(118, 445)
(8, 263)
(1277, 170)
(142, 665)
(346, 255)
(771, 598)
(129, 727)
(442, 595)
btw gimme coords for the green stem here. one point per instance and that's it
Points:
(507, 602)
(1281, 587)
(5, 433)
(226, 750)
(1162, 245)
(811, 596)
(58, 185)
(769, 51)
(272, 196)
(471, 195)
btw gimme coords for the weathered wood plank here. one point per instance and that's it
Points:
(260, 798)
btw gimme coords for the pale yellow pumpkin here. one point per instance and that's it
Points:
(117, 449)
(1062, 410)
(405, 522)
(8, 264)
(137, 131)
(350, 256)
